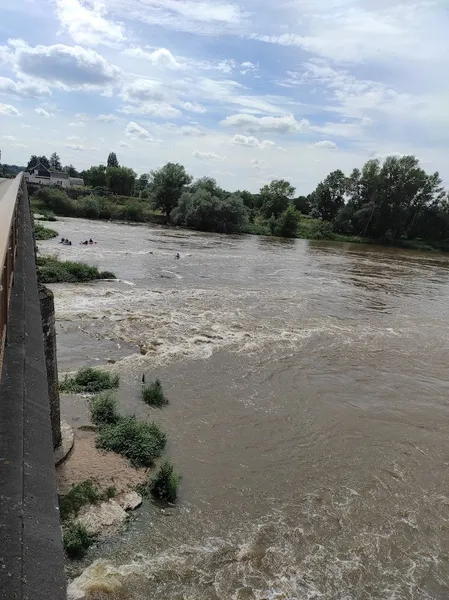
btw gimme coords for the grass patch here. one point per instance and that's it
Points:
(89, 380)
(80, 494)
(166, 482)
(76, 540)
(141, 443)
(52, 270)
(44, 233)
(103, 409)
(153, 394)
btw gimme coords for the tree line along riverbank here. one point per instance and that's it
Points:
(391, 202)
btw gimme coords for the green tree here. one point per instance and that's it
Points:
(120, 180)
(95, 176)
(302, 204)
(112, 160)
(248, 198)
(201, 209)
(44, 161)
(55, 162)
(70, 169)
(34, 159)
(167, 185)
(329, 196)
(276, 197)
(405, 191)
(209, 184)
(288, 222)
(142, 182)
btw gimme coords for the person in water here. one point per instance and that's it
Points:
(178, 255)
(62, 240)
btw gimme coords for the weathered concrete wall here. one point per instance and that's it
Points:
(47, 305)
(31, 554)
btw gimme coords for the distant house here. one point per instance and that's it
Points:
(40, 175)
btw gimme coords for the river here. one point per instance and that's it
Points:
(309, 414)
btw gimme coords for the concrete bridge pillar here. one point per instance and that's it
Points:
(47, 307)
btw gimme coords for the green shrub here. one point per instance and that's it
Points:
(315, 229)
(103, 409)
(107, 275)
(52, 270)
(77, 540)
(80, 494)
(56, 200)
(288, 222)
(89, 380)
(44, 233)
(138, 441)
(111, 492)
(153, 394)
(166, 483)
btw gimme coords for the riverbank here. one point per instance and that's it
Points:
(308, 229)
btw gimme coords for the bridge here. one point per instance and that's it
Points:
(31, 553)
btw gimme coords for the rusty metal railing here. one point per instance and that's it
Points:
(10, 193)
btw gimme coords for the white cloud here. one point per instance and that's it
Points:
(9, 138)
(73, 138)
(144, 90)
(125, 145)
(70, 67)
(43, 113)
(106, 118)
(137, 132)
(77, 147)
(251, 141)
(261, 165)
(362, 31)
(8, 110)
(204, 17)
(22, 89)
(160, 58)
(190, 131)
(206, 155)
(192, 107)
(248, 67)
(77, 124)
(252, 124)
(161, 110)
(326, 144)
(88, 26)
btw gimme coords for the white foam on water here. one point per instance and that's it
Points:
(277, 561)
(177, 324)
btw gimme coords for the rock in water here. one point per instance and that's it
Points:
(130, 500)
(103, 518)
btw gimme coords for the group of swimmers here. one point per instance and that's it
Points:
(67, 242)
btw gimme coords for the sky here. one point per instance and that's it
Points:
(245, 91)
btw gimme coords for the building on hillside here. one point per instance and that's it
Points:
(40, 175)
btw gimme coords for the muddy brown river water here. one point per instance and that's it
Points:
(309, 411)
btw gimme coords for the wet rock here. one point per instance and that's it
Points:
(111, 361)
(143, 350)
(103, 518)
(129, 500)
